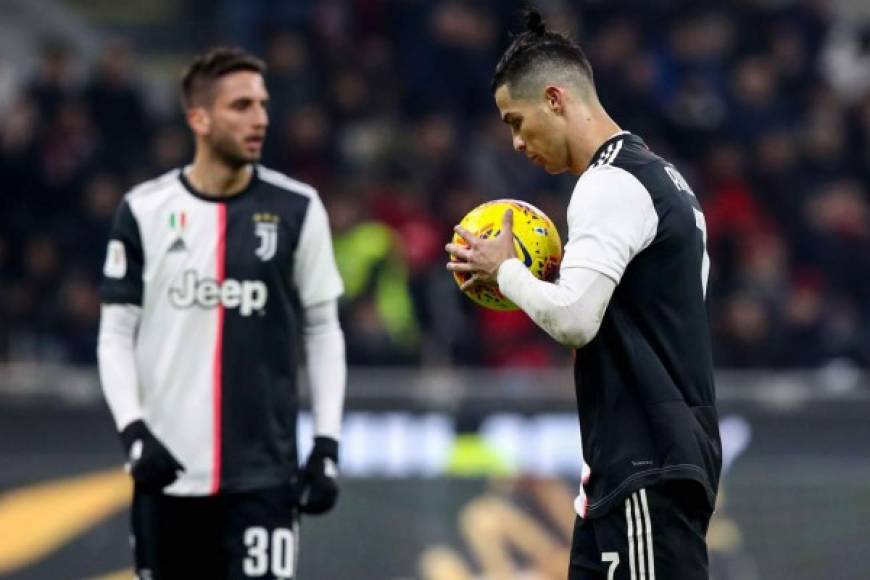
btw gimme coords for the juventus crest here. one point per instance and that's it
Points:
(266, 229)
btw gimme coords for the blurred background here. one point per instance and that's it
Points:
(384, 106)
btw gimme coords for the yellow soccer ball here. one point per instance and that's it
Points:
(536, 240)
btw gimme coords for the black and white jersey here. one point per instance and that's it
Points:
(220, 283)
(644, 384)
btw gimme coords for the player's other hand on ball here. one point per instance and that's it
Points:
(319, 478)
(149, 462)
(479, 257)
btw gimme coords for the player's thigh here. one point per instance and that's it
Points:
(585, 560)
(262, 534)
(176, 538)
(653, 534)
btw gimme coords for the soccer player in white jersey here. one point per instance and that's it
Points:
(631, 300)
(212, 273)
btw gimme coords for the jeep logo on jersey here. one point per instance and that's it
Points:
(246, 295)
(266, 228)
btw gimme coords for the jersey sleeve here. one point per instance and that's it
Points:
(314, 271)
(611, 219)
(122, 270)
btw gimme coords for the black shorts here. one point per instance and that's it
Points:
(657, 533)
(222, 537)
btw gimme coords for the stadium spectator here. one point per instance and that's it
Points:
(766, 104)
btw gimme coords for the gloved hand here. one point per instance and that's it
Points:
(319, 486)
(149, 462)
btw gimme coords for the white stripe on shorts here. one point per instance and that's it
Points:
(629, 522)
(641, 554)
(649, 539)
(639, 527)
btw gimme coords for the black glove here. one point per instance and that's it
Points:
(150, 463)
(319, 486)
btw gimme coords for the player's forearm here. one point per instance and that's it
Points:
(327, 367)
(117, 361)
(570, 311)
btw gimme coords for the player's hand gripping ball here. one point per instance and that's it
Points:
(536, 241)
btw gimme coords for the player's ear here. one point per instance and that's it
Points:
(199, 120)
(555, 99)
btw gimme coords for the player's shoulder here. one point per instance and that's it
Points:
(611, 185)
(607, 180)
(286, 183)
(153, 187)
(623, 161)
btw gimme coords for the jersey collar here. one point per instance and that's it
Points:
(182, 177)
(616, 136)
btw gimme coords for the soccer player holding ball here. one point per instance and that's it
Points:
(630, 298)
(212, 272)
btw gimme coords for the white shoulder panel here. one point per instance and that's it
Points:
(280, 180)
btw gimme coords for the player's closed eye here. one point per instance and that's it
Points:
(245, 104)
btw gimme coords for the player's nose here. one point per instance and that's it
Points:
(261, 118)
(519, 144)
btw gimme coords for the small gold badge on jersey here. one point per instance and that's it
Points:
(266, 228)
(116, 260)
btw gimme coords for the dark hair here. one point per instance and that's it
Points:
(206, 69)
(536, 47)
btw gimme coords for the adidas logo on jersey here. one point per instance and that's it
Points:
(247, 295)
(177, 246)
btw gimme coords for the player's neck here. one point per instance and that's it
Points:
(593, 128)
(213, 178)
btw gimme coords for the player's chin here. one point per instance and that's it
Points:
(251, 156)
(238, 156)
(553, 169)
(544, 164)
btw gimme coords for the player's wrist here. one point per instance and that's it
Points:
(134, 431)
(507, 270)
(320, 488)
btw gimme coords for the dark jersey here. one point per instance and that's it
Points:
(219, 283)
(645, 382)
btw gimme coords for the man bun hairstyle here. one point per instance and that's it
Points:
(198, 81)
(535, 23)
(537, 52)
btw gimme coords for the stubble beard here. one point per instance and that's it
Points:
(230, 153)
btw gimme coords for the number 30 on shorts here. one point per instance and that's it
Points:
(273, 553)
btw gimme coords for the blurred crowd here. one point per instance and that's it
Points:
(384, 106)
